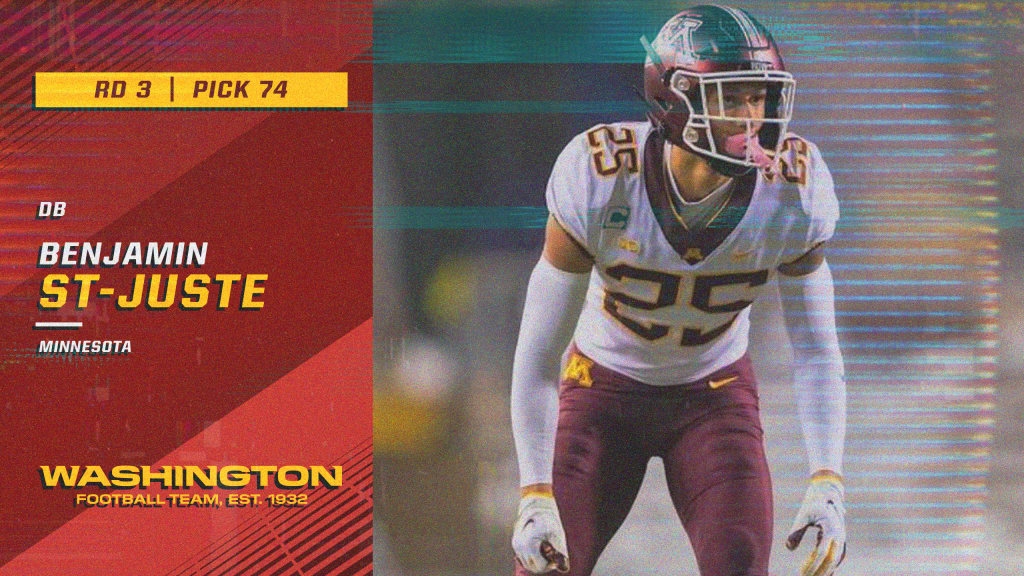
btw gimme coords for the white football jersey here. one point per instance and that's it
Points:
(668, 305)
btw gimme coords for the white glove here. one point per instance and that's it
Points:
(823, 509)
(538, 539)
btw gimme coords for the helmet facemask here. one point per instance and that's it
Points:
(761, 138)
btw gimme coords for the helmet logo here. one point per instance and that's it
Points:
(681, 36)
(690, 134)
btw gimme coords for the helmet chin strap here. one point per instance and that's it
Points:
(727, 168)
(736, 145)
(723, 167)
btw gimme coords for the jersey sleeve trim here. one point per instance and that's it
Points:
(576, 241)
(806, 263)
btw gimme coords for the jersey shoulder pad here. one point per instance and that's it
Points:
(586, 173)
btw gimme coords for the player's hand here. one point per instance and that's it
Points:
(538, 539)
(738, 145)
(823, 510)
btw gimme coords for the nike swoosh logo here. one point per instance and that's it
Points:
(719, 383)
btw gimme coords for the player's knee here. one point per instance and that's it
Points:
(739, 552)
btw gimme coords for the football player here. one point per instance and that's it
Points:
(660, 236)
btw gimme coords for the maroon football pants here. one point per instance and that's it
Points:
(711, 442)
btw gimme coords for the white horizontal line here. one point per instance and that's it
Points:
(71, 325)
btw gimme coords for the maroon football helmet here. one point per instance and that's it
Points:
(695, 56)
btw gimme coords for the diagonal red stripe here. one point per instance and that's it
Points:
(51, 406)
(40, 126)
(24, 126)
(146, 149)
(289, 330)
(273, 427)
(18, 70)
(360, 563)
(251, 528)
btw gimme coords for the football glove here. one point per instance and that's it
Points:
(538, 539)
(823, 509)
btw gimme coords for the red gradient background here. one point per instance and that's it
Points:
(285, 193)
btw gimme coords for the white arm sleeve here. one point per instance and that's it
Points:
(808, 304)
(554, 299)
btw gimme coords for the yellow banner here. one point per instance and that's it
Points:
(191, 90)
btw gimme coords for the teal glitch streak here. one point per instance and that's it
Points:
(625, 107)
(634, 107)
(531, 217)
(459, 217)
(605, 31)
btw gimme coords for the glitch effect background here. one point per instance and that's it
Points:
(917, 109)
(286, 193)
